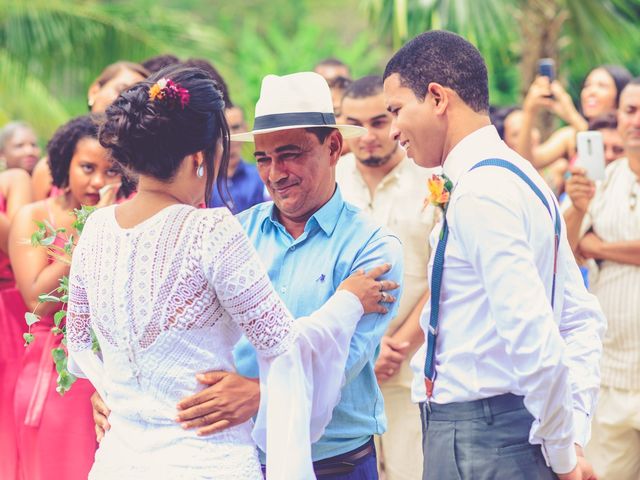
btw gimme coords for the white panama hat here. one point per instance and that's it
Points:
(299, 100)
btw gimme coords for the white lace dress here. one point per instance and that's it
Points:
(170, 298)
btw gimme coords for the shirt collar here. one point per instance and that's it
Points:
(326, 217)
(465, 154)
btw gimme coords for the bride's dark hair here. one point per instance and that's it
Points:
(152, 136)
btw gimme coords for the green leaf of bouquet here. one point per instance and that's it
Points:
(56, 331)
(63, 285)
(64, 298)
(58, 354)
(31, 318)
(45, 297)
(58, 316)
(28, 338)
(68, 246)
(45, 242)
(36, 238)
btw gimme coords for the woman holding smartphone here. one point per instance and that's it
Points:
(599, 95)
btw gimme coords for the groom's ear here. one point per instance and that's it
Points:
(438, 96)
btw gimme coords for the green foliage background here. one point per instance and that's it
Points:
(51, 50)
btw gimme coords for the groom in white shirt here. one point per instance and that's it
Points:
(508, 378)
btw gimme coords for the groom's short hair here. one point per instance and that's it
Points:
(445, 58)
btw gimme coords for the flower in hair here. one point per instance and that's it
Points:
(170, 92)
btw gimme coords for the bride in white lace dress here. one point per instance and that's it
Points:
(168, 289)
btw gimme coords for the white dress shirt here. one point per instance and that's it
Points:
(497, 330)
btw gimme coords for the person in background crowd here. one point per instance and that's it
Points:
(15, 191)
(603, 223)
(607, 124)
(243, 182)
(105, 89)
(508, 377)
(599, 95)
(378, 178)
(55, 434)
(208, 67)
(508, 122)
(18, 147)
(157, 63)
(332, 68)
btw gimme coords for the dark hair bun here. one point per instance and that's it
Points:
(151, 136)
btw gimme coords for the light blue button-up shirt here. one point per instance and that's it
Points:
(337, 240)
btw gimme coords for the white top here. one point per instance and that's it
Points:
(617, 285)
(498, 333)
(398, 204)
(170, 298)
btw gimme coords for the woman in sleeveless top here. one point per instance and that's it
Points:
(55, 434)
(15, 191)
(168, 289)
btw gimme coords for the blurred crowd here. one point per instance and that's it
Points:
(601, 212)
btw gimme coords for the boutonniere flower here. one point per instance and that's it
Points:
(439, 191)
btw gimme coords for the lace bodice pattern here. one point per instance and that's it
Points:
(167, 299)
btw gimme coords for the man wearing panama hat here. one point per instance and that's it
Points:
(310, 239)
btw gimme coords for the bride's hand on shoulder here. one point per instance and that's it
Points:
(370, 291)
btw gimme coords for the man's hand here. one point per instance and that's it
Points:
(100, 416)
(580, 189)
(583, 470)
(585, 466)
(230, 399)
(392, 354)
(575, 474)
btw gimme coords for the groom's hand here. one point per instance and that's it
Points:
(230, 399)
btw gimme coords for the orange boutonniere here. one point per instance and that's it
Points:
(439, 191)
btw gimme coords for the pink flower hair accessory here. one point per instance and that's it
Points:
(171, 93)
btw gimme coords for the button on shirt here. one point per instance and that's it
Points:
(337, 240)
(245, 187)
(397, 203)
(497, 330)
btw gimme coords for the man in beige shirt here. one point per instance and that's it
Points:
(378, 177)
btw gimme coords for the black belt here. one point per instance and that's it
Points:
(345, 463)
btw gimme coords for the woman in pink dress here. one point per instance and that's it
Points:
(15, 191)
(55, 434)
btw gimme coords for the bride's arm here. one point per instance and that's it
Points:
(82, 362)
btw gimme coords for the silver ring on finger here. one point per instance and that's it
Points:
(384, 297)
(381, 285)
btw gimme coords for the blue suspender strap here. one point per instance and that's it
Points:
(497, 162)
(438, 267)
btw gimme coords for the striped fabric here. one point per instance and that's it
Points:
(616, 218)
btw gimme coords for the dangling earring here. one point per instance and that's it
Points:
(90, 103)
(200, 171)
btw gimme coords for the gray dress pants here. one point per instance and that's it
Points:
(481, 440)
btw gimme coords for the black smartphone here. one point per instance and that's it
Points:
(547, 68)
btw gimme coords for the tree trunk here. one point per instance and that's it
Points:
(540, 26)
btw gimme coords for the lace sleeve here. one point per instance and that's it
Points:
(78, 318)
(83, 362)
(233, 268)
